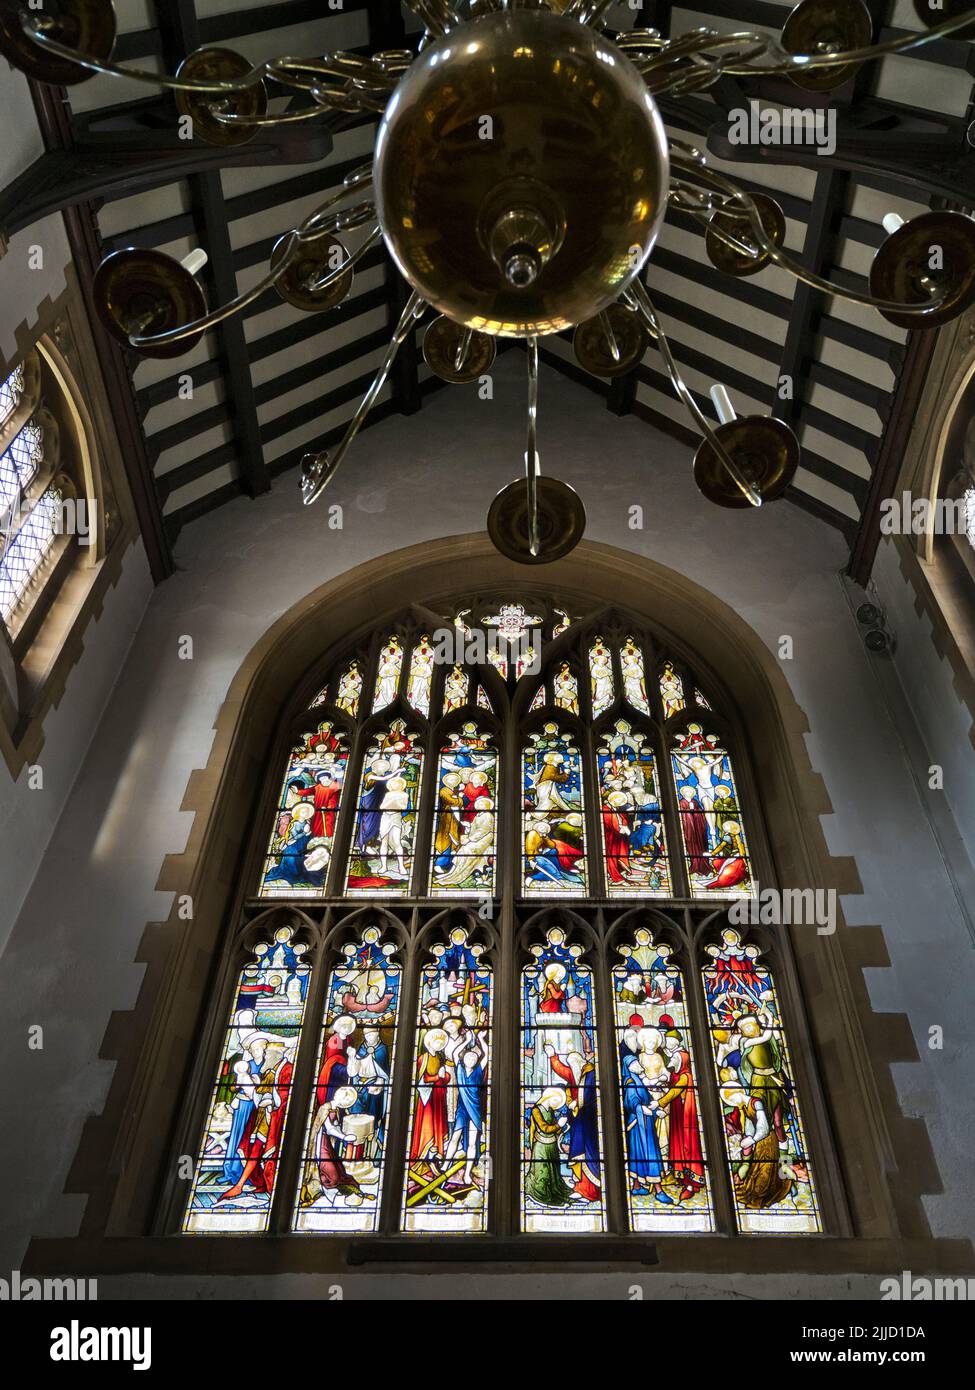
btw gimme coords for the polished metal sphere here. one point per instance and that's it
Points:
(521, 173)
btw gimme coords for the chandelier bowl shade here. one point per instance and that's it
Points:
(87, 25)
(137, 290)
(521, 173)
(766, 451)
(561, 519)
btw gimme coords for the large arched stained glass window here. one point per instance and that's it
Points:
(345, 1154)
(561, 1175)
(446, 1186)
(516, 835)
(236, 1169)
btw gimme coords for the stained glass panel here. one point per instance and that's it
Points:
(600, 677)
(566, 689)
(300, 848)
(700, 699)
(552, 818)
(350, 688)
(671, 690)
(381, 859)
(666, 1172)
(634, 681)
(341, 1183)
(713, 832)
(387, 673)
(463, 857)
(455, 689)
(538, 699)
(237, 1166)
(446, 1174)
(483, 701)
(766, 1147)
(562, 1185)
(320, 699)
(10, 392)
(28, 550)
(634, 844)
(421, 675)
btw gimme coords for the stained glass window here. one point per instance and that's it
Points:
(553, 825)
(700, 699)
(421, 675)
(349, 689)
(381, 857)
(344, 1156)
(671, 690)
(455, 689)
(10, 392)
(300, 848)
(387, 673)
(320, 699)
(538, 699)
(483, 701)
(600, 676)
(634, 843)
(513, 624)
(465, 829)
(763, 1132)
(561, 1171)
(566, 689)
(446, 1184)
(666, 1171)
(634, 681)
(715, 849)
(237, 1165)
(29, 548)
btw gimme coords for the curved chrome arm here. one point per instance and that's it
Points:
(640, 300)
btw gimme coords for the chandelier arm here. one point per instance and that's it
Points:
(316, 474)
(296, 236)
(373, 239)
(531, 453)
(786, 262)
(640, 300)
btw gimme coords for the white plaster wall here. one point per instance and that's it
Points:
(70, 961)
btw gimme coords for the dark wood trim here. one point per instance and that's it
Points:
(890, 454)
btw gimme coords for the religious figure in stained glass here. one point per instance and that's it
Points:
(446, 1176)
(566, 689)
(237, 1166)
(763, 1131)
(465, 817)
(344, 1158)
(320, 699)
(715, 849)
(562, 1186)
(552, 817)
(421, 675)
(667, 1187)
(381, 859)
(634, 845)
(700, 699)
(601, 676)
(387, 673)
(634, 682)
(300, 847)
(350, 688)
(538, 699)
(671, 690)
(455, 689)
(483, 700)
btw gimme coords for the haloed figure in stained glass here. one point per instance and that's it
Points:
(562, 1166)
(465, 830)
(446, 1178)
(385, 828)
(553, 826)
(300, 848)
(714, 837)
(632, 819)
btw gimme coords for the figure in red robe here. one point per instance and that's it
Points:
(616, 831)
(429, 1134)
(685, 1155)
(335, 1063)
(325, 799)
(695, 827)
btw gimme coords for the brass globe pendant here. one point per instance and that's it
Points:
(521, 173)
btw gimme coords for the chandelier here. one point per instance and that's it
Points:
(520, 176)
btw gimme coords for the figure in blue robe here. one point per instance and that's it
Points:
(375, 1105)
(370, 813)
(292, 869)
(644, 1162)
(469, 1118)
(233, 1165)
